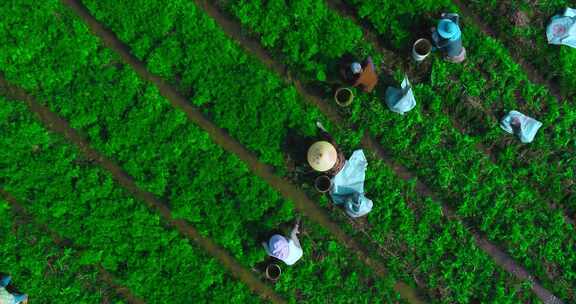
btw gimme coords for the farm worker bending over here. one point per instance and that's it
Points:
(361, 75)
(562, 28)
(447, 38)
(324, 155)
(347, 176)
(523, 126)
(287, 250)
(9, 298)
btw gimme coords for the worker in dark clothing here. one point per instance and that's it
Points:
(361, 75)
(324, 155)
(447, 38)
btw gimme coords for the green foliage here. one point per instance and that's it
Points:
(81, 203)
(70, 71)
(43, 270)
(178, 162)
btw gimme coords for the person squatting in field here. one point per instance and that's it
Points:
(347, 176)
(288, 250)
(324, 155)
(361, 75)
(447, 38)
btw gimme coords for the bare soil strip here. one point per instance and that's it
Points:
(105, 276)
(530, 70)
(233, 29)
(219, 136)
(57, 124)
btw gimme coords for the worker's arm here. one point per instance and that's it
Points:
(439, 42)
(370, 63)
(294, 235)
(340, 162)
(265, 245)
(452, 16)
(327, 137)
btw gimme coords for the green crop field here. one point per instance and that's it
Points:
(148, 147)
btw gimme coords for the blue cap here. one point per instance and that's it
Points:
(447, 29)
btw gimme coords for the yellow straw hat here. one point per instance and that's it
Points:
(322, 156)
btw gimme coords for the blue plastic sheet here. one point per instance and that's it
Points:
(401, 100)
(348, 186)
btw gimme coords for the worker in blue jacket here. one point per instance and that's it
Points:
(7, 297)
(447, 38)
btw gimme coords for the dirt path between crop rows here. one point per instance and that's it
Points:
(220, 137)
(233, 29)
(105, 276)
(530, 70)
(59, 125)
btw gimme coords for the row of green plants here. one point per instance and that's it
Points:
(129, 121)
(521, 25)
(43, 270)
(490, 84)
(78, 201)
(496, 200)
(231, 87)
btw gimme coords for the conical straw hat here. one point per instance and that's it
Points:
(322, 156)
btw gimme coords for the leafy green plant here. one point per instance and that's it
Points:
(43, 270)
(61, 189)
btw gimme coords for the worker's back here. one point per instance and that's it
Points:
(368, 77)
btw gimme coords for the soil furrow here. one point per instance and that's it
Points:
(57, 124)
(220, 137)
(233, 29)
(105, 276)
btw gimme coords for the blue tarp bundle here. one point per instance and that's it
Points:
(348, 186)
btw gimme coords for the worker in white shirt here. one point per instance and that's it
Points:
(287, 250)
